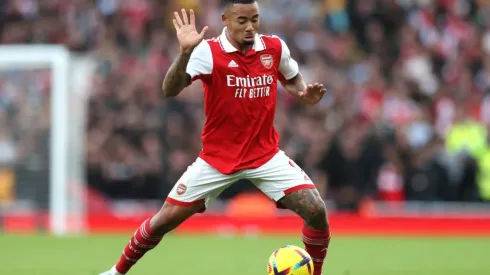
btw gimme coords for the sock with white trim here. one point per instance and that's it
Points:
(142, 241)
(316, 244)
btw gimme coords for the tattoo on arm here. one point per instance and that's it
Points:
(295, 85)
(177, 78)
(308, 204)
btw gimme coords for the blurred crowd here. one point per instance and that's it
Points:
(405, 117)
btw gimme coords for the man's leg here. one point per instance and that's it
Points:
(285, 182)
(193, 191)
(308, 204)
(151, 232)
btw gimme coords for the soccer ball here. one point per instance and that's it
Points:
(290, 260)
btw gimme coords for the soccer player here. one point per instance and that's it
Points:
(239, 71)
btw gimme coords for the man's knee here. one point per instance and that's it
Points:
(171, 216)
(309, 205)
(317, 215)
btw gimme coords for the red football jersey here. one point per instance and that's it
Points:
(240, 100)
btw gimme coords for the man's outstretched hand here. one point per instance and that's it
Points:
(187, 34)
(313, 93)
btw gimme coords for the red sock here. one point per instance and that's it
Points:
(316, 244)
(142, 241)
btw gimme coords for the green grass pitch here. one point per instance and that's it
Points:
(212, 255)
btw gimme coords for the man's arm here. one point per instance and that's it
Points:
(177, 78)
(295, 86)
(186, 68)
(293, 81)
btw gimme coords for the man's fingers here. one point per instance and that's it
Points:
(176, 25)
(192, 17)
(315, 87)
(177, 18)
(185, 17)
(203, 32)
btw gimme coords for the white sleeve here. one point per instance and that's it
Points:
(288, 66)
(201, 61)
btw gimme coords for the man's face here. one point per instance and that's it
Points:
(242, 21)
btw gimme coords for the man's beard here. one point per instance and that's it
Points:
(248, 43)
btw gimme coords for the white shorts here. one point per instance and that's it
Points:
(201, 183)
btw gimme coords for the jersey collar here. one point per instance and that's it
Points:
(225, 44)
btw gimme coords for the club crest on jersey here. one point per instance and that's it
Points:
(267, 60)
